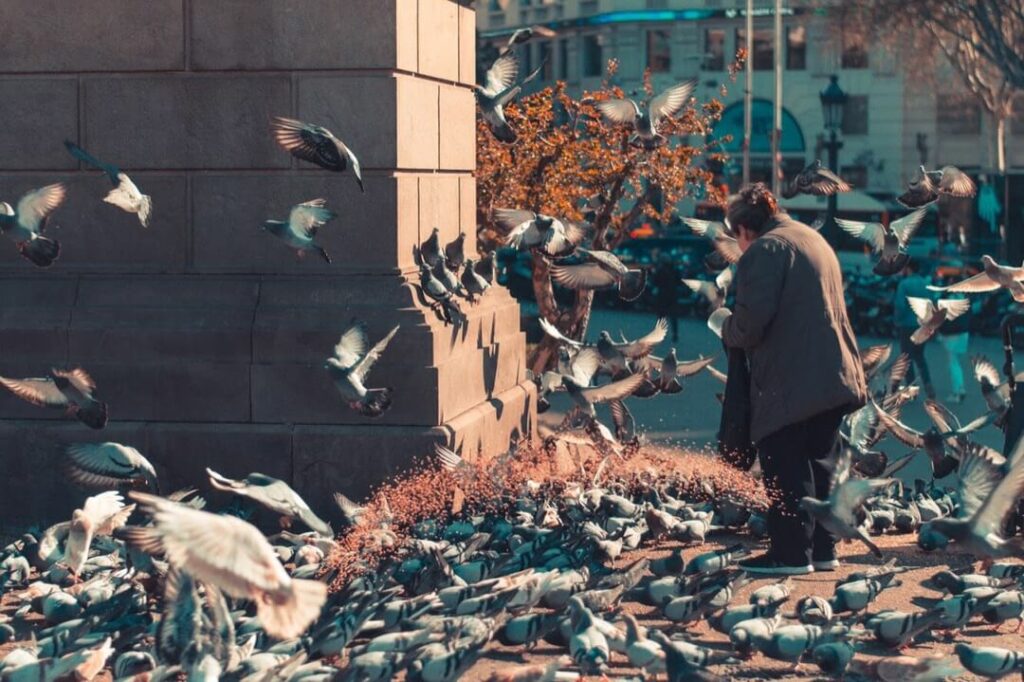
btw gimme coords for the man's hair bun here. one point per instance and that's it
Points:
(753, 207)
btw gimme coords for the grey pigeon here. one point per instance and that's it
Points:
(720, 236)
(817, 180)
(528, 230)
(442, 300)
(992, 277)
(300, 230)
(473, 282)
(604, 271)
(350, 366)
(317, 145)
(125, 194)
(429, 251)
(109, 466)
(500, 88)
(71, 390)
(274, 494)
(645, 121)
(454, 252)
(25, 225)
(523, 35)
(989, 661)
(927, 186)
(889, 242)
(586, 397)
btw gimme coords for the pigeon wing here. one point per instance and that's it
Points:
(705, 228)
(977, 284)
(871, 233)
(977, 477)
(728, 248)
(991, 516)
(825, 183)
(366, 364)
(42, 392)
(669, 103)
(502, 74)
(899, 430)
(922, 307)
(954, 307)
(307, 142)
(307, 217)
(108, 459)
(552, 331)
(905, 227)
(90, 160)
(585, 365)
(511, 219)
(79, 378)
(585, 276)
(352, 345)
(646, 344)
(619, 110)
(688, 369)
(616, 390)
(36, 205)
(703, 288)
(955, 182)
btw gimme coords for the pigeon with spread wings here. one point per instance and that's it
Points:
(106, 466)
(646, 120)
(70, 390)
(927, 186)
(931, 315)
(317, 145)
(817, 180)
(604, 271)
(350, 366)
(300, 230)
(551, 236)
(500, 88)
(992, 278)
(714, 291)
(275, 495)
(25, 225)
(888, 241)
(720, 236)
(125, 194)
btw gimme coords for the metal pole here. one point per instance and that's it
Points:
(748, 93)
(833, 164)
(780, 48)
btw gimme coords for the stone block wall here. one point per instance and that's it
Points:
(206, 335)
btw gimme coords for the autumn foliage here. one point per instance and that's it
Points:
(567, 158)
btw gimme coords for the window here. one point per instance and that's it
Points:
(563, 59)
(588, 7)
(855, 175)
(544, 50)
(855, 115)
(659, 51)
(592, 60)
(958, 115)
(855, 53)
(796, 48)
(763, 56)
(714, 49)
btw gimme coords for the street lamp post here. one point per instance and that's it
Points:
(833, 104)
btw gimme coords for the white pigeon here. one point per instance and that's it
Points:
(992, 277)
(351, 364)
(889, 241)
(719, 234)
(100, 515)
(233, 555)
(714, 291)
(529, 230)
(646, 121)
(125, 195)
(500, 88)
(931, 315)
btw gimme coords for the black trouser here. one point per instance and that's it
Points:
(796, 462)
(917, 359)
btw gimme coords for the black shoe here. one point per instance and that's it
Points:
(768, 565)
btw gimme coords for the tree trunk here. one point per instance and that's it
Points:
(1001, 144)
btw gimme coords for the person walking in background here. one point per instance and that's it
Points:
(905, 321)
(955, 335)
(666, 300)
(805, 370)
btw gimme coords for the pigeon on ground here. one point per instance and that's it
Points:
(442, 300)
(275, 495)
(234, 556)
(989, 661)
(846, 499)
(833, 657)
(888, 241)
(992, 277)
(720, 236)
(528, 230)
(931, 315)
(350, 366)
(817, 180)
(300, 230)
(714, 291)
(927, 186)
(109, 465)
(70, 390)
(604, 271)
(25, 225)
(645, 121)
(125, 194)
(317, 145)
(500, 88)
(100, 515)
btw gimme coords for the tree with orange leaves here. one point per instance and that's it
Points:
(566, 161)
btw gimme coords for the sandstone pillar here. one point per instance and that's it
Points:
(206, 336)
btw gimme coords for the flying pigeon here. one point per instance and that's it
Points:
(817, 180)
(351, 364)
(71, 390)
(25, 225)
(274, 494)
(524, 35)
(604, 271)
(100, 515)
(235, 557)
(927, 186)
(586, 397)
(441, 298)
(500, 88)
(317, 145)
(125, 194)
(992, 277)
(646, 120)
(889, 242)
(715, 291)
(109, 465)
(720, 236)
(529, 230)
(300, 230)
(931, 315)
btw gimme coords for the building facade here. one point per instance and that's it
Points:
(891, 124)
